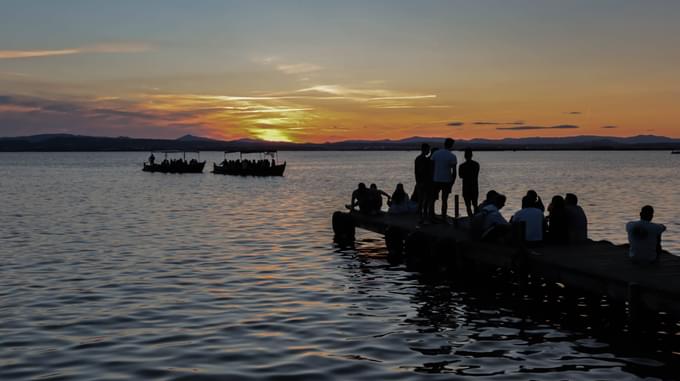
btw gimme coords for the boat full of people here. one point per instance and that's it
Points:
(175, 165)
(265, 165)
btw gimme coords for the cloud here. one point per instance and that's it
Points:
(363, 94)
(557, 127)
(455, 124)
(298, 68)
(485, 123)
(124, 47)
(573, 112)
(609, 127)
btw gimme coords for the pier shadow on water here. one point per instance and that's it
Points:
(487, 323)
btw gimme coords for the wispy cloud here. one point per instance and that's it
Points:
(455, 124)
(97, 48)
(557, 127)
(298, 68)
(609, 126)
(573, 113)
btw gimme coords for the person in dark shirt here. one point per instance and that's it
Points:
(469, 173)
(423, 174)
(361, 199)
(577, 222)
(490, 198)
(536, 199)
(557, 221)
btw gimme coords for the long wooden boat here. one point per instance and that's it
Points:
(174, 166)
(188, 167)
(675, 152)
(241, 167)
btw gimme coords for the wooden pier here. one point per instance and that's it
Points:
(599, 268)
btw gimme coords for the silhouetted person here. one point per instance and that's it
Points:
(375, 198)
(469, 173)
(423, 172)
(533, 219)
(360, 199)
(152, 159)
(644, 237)
(399, 201)
(495, 227)
(490, 198)
(445, 165)
(557, 221)
(577, 223)
(536, 199)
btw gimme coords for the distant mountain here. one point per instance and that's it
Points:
(67, 142)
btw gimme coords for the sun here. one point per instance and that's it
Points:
(271, 134)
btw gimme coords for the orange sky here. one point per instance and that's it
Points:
(290, 72)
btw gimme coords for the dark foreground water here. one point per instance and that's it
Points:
(111, 273)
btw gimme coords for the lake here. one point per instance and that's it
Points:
(110, 273)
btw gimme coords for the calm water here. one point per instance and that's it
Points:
(111, 273)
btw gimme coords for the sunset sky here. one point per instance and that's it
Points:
(314, 71)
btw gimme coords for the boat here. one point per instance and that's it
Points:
(246, 167)
(675, 152)
(175, 165)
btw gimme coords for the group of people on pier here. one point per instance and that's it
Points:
(436, 171)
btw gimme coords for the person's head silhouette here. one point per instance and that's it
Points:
(647, 213)
(448, 143)
(361, 186)
(499, 201)
(571, 199)
(468, 153)
(424, 148)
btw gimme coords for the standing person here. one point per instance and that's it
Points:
(445, 164)
(469, 173)
(423, 180)
(644, 237)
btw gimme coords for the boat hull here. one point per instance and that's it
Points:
(276, 170)
(175, 168)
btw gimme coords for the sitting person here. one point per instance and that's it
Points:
(375, 198)
(490, 197)
(495, 228)
(644, 237)
(557, 221)
(360, 198)
(577, 223)
(536, 200)
(533, 219)
(399, 203)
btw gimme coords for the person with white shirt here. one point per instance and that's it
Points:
(644, 237)
(533, 219)
(444, 175)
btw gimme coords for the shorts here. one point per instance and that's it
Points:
(445, 188)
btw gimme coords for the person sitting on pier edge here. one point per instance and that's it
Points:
(557, 221)
(375, 199)
(577, 223)
(533, 219)
(490, 197)
(536, 199)
(360, 198)
(399, 203)
(495, 227)
(469, 173)
(423, 173)
(152, 159)
(644, 237)
(445, 166)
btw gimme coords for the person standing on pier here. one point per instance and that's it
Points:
(469, 173)
(445, 165)
(644, 237)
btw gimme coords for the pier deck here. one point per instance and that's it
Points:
(596, 267)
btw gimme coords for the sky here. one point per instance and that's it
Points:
(316, 71)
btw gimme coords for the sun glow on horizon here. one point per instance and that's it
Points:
(271, 134)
